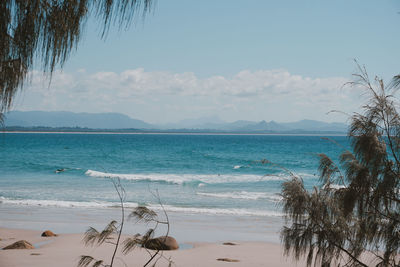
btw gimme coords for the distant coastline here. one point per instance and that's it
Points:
(40, 121)
(79, 130)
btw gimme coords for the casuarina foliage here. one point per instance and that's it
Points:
(353, 217)
(43, 33)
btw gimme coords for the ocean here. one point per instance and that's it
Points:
(197, 175)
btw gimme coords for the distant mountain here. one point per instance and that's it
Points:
(70, 119)
(211, 122)
(261, 126)
(302, 126)
(240, 124)
(312, 125)
(115, 121)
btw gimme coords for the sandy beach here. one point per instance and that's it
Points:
(200, 238)
(65, 250)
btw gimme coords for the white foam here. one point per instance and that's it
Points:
(174, 179)
(243, 195)
(57, 203)
(337, 186)
(168, 208)
(218, 211)
(237, 167)
(188, 178)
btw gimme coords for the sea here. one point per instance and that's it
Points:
(225, 182)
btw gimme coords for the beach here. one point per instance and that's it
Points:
(200, 238)
(64, 250)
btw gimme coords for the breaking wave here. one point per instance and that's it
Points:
(168, 208)
(188, 178)
(243, 195)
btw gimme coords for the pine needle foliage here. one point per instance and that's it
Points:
(142, 213)
(112, 233)
(148, 216)
(43, 33)
(92, 236)
(85, 261)
(356, 209)
(131, 243)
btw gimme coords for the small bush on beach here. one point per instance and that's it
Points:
(112, 234)
(356, 209)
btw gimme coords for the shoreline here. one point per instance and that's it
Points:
(65, 250)
(185, 227)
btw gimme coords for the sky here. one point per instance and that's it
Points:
(252, 60)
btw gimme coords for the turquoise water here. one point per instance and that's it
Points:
(194, 174)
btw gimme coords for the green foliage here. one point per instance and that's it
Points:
(45, 32)
(85, 261)
(92, 236)
(357, 211)
(112, 233)
(131, 243)
(137, 241)
(142, 213)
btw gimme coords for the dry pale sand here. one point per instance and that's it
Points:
(65, 250)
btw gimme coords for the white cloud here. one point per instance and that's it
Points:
(166, 96)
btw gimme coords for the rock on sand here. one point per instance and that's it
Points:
(162, 243)
(22, 244)
(48, 233)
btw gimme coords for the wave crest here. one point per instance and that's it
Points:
(168, 208)
(243, 195)
(188, 178)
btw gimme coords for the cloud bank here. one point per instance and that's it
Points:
(160, 96)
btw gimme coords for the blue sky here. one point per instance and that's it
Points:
(274, 60)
